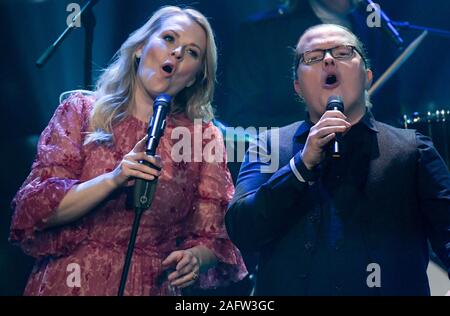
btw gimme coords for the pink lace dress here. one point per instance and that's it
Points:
(188, 210)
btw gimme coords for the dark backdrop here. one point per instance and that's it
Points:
(29, 95)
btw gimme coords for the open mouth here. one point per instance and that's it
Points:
(331, 80)
(167, 69)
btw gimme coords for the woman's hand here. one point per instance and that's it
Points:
(187, 268)
(130, 166)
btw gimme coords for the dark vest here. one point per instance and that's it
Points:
(387, 216)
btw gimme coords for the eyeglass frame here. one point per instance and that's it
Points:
(301, 58)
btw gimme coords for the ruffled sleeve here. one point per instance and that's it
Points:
(206, 225)
(55, 171)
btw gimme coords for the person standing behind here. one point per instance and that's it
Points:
(256, 84)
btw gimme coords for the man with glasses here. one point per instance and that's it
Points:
(354, 225)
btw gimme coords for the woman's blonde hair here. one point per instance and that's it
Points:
(114, 91)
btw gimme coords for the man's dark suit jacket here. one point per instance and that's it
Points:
(402, 202)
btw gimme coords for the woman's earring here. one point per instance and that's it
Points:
(190, 84)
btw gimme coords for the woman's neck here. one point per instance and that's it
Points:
(142, 104)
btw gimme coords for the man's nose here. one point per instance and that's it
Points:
(178, 52)
(328, 60)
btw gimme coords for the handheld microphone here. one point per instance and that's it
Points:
(335, 103)
(144, 189)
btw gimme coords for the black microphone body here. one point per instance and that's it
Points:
(335, 103)
(144, 189)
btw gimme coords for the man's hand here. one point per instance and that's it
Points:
(321, 134)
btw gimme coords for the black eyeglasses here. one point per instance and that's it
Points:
(341, 52)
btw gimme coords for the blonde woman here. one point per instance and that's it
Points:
(72, 212)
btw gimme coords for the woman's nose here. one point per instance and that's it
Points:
(178, 52)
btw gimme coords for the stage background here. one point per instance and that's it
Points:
(30, 95)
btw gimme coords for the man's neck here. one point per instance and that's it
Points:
(356, 115)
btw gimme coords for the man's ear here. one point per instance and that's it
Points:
(297, 88)
(369, 77)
